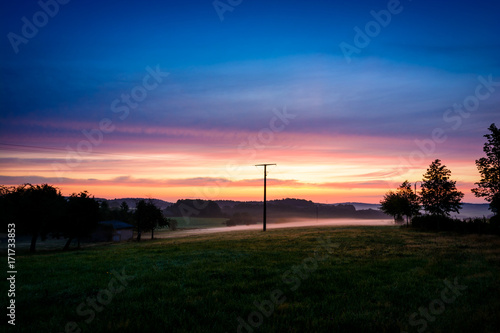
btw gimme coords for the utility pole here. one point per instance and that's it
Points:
(418, 181)
(265, 181)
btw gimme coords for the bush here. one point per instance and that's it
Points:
(443, 223)
(172, 224)
(241, 219)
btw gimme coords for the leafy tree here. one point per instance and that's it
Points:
(4, 190)
(403, 202)
(161, 222)
(392, 205)
(36, 209)
(124, 214)
(489, 168)
(171, 223)
(148, 217)
(495, 205)
(5, 217)
(124, 208)
(83, 217)
(104, 211)
(411, 203)
(140, 217)
(439, 194)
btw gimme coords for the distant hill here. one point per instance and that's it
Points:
(468, 210)
(280, 210)
(360, 205)
(131, 202)
(197, 207)
(474, 210)
(224, 204)
(300, 208)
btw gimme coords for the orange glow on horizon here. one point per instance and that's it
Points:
(356, 169)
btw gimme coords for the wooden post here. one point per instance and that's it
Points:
(265, 192)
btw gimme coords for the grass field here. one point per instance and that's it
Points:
(200, 222)
(335, 279)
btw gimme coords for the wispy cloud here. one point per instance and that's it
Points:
(354, 123)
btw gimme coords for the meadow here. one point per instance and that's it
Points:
(200, 222)
(323, 279)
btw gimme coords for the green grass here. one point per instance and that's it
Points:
(372, 280)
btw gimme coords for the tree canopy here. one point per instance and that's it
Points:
(489, 168)
(41, 211)
(83, 216)
(148, 217)
(439, 194)
(36, 209)
(403, 202)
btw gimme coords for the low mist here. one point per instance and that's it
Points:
(291, 223)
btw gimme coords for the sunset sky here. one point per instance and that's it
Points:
(180, 99)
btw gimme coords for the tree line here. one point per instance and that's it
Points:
(41, 210)
(439, 196)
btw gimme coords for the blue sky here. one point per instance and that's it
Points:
(227, 77)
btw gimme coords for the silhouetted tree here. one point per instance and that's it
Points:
(161, 221)
(124, 214)
(411, 205)
(124, 208)
(105, 213)
(392, 204)
(148, 217)
(403, 202)
(439, 194)
(171, 223)
(489, 168)
(36, 209)
(5, 211)
(140, 218)
(82, 217)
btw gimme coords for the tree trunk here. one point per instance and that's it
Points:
(66, 246)
(78, 241)
(138, 235)
(152, 233)
(33, 242)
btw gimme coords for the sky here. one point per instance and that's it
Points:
(181, 99)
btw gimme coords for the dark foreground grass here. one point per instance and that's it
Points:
(369, 279)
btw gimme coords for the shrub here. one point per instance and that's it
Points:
(444, 223)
